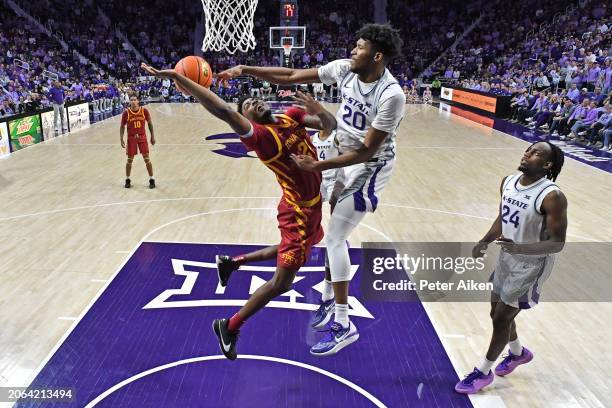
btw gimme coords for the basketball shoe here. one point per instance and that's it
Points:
(128, 183)
(151, 183)
(511, 361)
(323, 314)
(227, 339)
(474, 382)
(225, 267)
(337, 338)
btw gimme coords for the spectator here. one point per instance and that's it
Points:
(56, 96)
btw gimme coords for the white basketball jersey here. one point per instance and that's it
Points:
(380, 104)
(326, 149)
(522, 220)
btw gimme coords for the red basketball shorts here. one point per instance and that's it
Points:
(136, 144)
(300, 229)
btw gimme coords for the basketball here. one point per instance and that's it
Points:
(195, 68)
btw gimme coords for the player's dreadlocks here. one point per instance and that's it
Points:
(385, 38)
(557, 159)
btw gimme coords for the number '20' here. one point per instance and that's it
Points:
(354, 118)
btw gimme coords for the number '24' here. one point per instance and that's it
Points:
(514, 218)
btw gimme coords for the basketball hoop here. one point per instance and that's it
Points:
(228, 25)
(287, 48)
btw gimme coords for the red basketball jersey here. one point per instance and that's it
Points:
(135, 121)
(274, 143)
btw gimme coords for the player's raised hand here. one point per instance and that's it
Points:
(308, 103)
(229, 73)
(166, 73)
(304, 162)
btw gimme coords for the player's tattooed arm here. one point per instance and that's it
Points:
(318, 117)
(276, 75)
(215, 105)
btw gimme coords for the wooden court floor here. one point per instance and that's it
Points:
(67, 223)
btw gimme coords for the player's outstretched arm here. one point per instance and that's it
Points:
(211, 102)
(276, 75)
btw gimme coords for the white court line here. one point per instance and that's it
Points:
(98, 280)
(67, 318)
(454, 336)
(465, 215)
(249, 198)
(160, 200)
(154, 370)
(122, 252)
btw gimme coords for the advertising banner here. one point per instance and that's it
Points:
(5, 149)
(78, 117)
(473, 99)
(25, 132)
(48, 130)
(486, 103)
(446, 93)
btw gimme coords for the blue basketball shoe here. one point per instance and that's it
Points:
(323, 314)
(336, 339)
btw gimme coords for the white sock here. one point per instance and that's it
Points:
(486, 366)
(515, 347)
(342, 315)
(328, 291)
(151, 178)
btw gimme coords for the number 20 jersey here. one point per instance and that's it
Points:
(380, 104)
(521, 215)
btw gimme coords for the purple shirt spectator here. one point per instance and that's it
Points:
(539, 103)
(590, 117)
(573, 94)
(593, 74)
(578, 113)
(56, 95)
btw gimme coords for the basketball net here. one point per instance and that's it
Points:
(287, 49)
(228, 25)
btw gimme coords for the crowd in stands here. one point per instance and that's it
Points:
(162, 31)
(559, 75)
(572, 49)
(565, 63)
(569, 114)
(80, 25)
(428, 29)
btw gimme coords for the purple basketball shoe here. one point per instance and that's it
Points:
(511, 361)
(474, 382)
